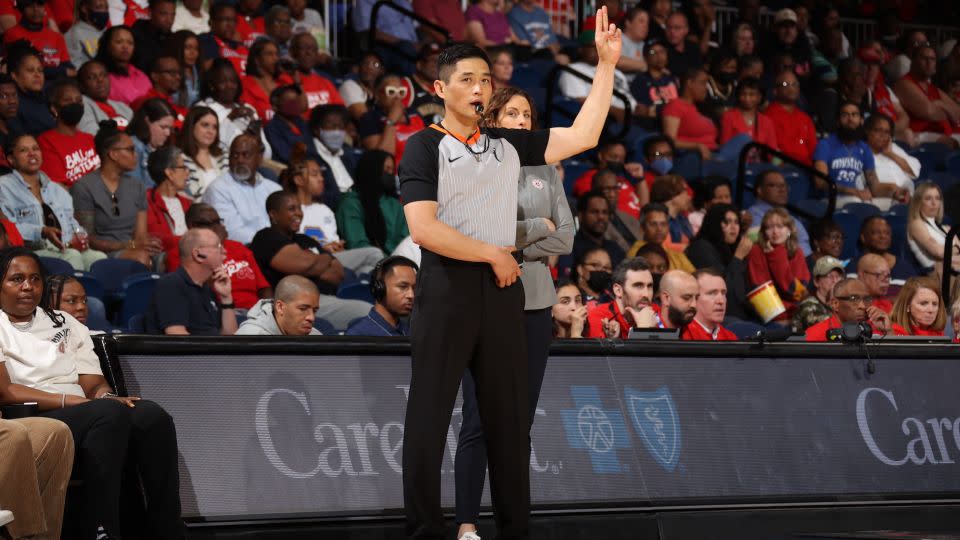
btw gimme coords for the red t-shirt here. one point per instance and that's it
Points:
(818, 332)
(696, 332)
(796, 135)
(113, 114)
(13, 235)
(135, 12)
(319, 91)
(694, 127)
(250, 28)
(237, 57)
(154, 93)
(52, 46)
(789, 275)
(406, 130)
(600, 312)
(932, 93)
(762, 131)
(448, 14)
(627, 199)
(254, 95)
(915, 331)
(67, 158)
(245, 276)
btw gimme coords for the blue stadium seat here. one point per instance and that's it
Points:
(744, 329)
(953, 164)
(55, 266)
(349, 277)
(564, 111)
(932, 156)
(137, 292)
(111, 272)
(324, 327)
(91, 285)
(850, 225)
(356, 291)
(898, 210)
(814, 207)
(945, 180)
(726, 169)
(799, 182)
(525, 77)
(861, 210)
(96, 318)
(136, 324)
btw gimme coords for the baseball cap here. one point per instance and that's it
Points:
(827, 264)
(785, 15)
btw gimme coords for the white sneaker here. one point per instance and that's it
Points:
(469, 536)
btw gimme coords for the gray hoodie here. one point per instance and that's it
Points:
(260, 321)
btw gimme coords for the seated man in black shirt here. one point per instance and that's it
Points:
(281, 251)
(185, 302)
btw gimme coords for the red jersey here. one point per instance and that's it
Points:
(113, 114)
(627, 199)
(52, 46)
(245, 276)
(796, 135)
(695, 331)
(67, 158)
(255, 96)
(250, 28)
(319, 91)
(236, 56)
(135, 12)
(13, 235)
(601, 312)
(932, 93)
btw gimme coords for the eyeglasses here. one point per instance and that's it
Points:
(856, 299)
(882, 276)
(786, 84)
(395, 91)
(667, 153)
(116, 204)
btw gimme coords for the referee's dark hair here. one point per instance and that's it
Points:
(584, 201)
(455, 53)
(632, 264)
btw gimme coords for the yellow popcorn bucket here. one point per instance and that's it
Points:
(766, 301)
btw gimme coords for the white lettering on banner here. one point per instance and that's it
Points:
(918, 449)
(336, 451)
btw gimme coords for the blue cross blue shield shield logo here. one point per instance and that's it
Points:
(655, 419)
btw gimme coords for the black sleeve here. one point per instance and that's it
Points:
(266, 244)
(531, 145)
(420, 169)
(369, 124)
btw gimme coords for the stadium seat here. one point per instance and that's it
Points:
(850, 224)
(356, 291)
(861, 210)
(90, 284)
(932, 156)
(349, 277)
(55, 266)
(953, 164)
(137, 292)
(726, 169)
(324, 327)
(744, 329)
(898, 210)
(96, 319)
(943, 179)
(799, 182)
(815, 207)
(136, 325)
(525, 77)
(573, 169)
(111, 272)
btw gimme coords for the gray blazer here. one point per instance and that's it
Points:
(541, 196)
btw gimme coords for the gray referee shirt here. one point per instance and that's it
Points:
(475, 183)
(541, 196)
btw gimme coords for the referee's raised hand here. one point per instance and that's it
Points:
(505, 266)
(608, 38)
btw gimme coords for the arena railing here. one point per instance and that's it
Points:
(949, 273)
(551, 93)
(742, 184)
(375, 12)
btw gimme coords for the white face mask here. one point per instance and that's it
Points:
(333, 138)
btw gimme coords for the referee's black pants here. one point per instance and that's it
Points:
(462, 320)
(111, 439)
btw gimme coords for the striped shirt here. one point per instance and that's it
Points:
(474, 182)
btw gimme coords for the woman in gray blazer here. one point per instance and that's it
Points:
(544, 229)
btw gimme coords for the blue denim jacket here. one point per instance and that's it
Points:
(141, 173)
(22, 208)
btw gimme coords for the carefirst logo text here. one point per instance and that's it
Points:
(924, 440)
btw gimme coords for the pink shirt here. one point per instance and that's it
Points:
(128, 89)
(694, 127)
(496, 27)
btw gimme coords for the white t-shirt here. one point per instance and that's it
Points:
(575, 87)
(312, 23)
(175, 209)
(319, 223)
(48, 357)
(184, 20)
(353, 93)
(889, 172)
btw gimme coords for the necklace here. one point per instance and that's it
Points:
(24, 326)
(476, 155)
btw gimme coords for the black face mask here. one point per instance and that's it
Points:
(71, 114)
(99, 19)
(599, 280)
(389, 184)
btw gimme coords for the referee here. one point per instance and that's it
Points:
(459, 186)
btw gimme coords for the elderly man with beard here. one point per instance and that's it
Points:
(238, 194)
(679, 292)
(632, 306)
(848, 160)
(711, 308)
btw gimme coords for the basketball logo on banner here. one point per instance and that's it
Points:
(656, 420)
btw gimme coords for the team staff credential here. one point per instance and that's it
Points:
(459, 185)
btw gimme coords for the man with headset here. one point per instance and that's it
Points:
(392, 283)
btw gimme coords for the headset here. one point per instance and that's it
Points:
(377, 286)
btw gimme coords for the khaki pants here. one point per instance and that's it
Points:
(34, 472)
